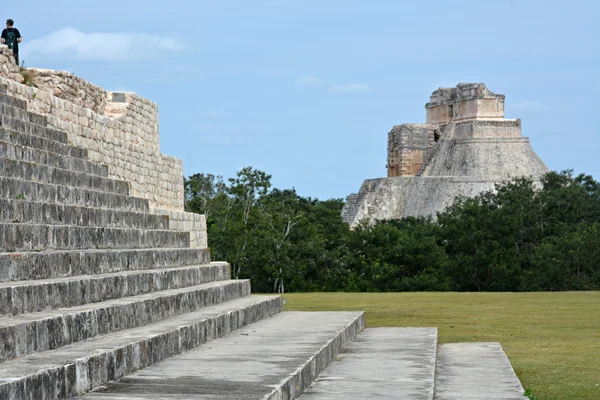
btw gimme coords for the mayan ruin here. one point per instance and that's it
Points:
(108, 290)
(464, 148)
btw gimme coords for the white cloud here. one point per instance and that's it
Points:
(72, 44)
(213, 113)
(351, 88)
(529, 106)
(308, 80)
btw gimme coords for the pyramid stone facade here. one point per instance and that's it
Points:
(465, 147)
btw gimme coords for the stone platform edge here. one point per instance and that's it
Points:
(295, 383)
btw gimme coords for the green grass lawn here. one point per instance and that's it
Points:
(552, 339)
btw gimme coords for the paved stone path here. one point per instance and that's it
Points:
(472, 371)
(382, 363)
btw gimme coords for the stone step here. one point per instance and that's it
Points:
(48, 330)
(49, 159)
(33, 296)
(381, 363)
(42, 143)
(41, 237)
(469, 371)
(23, 211)
(272, 359)
(12, 101)
(80, 367)
(13, 188)
(27, 171)
(57, 264)
(24, 115)
(17, 125)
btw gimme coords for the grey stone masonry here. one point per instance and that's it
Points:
(22, 126)
(32, 296)
(274, 359)
(18, 110)
(84, 266)
(12, 101)
(18, 189)
(23, 211)
(49, 159)
(80, 367)
(56, 264)
(40, 173)
(38, 332)
(41, 143)
(31, 147)
(381, 363)
(21, 237)
(475, 371)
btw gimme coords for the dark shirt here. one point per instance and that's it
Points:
(11, 38)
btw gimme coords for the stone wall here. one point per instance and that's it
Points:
(377, 199)
(67, 86)
(126, 139)
(506, 128)
(187, 222)
(8, 68)
(120, 130)
(407, 146)
(466, 101)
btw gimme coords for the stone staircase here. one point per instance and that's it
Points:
(428, 157)
(101, 298)
(356, 202)
(93, 285)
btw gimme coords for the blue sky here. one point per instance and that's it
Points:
(307, 90)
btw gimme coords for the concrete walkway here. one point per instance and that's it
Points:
(271, 359)
(469, 371)
(382, 363)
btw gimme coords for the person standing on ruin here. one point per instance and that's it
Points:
(12, 37)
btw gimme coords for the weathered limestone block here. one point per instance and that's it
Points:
(187, 222)
(30, 212)
(112, 357)
(26, 335)
(465, 101)
(30, 297)
(17, 237)
(8, 68)
(67, 86)
(56, 264)
(12, 188)
(407, 146)
(129, 137)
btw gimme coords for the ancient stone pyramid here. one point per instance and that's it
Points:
(465, 148)
(107, 290)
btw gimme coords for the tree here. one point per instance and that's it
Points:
(523, 235)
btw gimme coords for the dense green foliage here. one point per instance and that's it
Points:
(522, 236)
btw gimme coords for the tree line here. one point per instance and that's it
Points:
(522, 236)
